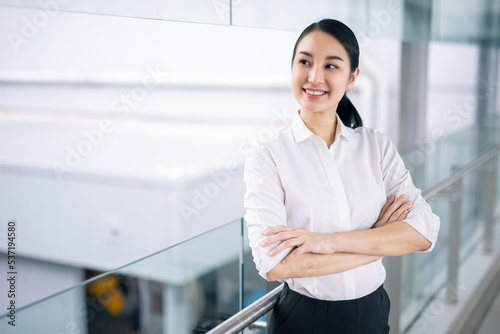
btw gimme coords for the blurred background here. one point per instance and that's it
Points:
(124, 127)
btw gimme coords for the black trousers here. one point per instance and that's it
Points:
(296, 313)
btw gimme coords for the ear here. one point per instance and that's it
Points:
(352, 79)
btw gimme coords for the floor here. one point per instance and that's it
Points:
(491, 323)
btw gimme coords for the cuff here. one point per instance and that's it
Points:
(426, 223)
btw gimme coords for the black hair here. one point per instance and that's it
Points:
(338, 30)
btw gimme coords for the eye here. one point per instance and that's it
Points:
(304, 62)
(330, 66)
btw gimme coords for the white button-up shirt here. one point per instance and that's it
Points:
(295, 180)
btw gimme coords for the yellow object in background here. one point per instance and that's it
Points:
(108, 293)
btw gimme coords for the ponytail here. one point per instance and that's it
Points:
(348, 113)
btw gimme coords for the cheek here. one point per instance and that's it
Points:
(296, 77)
(339, 85)
(297, 81)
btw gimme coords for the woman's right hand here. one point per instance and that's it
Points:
(393, 210)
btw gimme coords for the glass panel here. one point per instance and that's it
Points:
(64, 313)
(472, 221)
(385, 20)
(254, 286)
(296, 14)
(497, 206)
(417, 20)
(424, 273)
(435, 160)
(466, 21)
(200, 11)
(446, 20)
(189, 288)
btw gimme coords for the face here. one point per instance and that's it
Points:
(321, 73)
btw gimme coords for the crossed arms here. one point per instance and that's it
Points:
(316, 254)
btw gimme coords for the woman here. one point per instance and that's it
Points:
(327, 199)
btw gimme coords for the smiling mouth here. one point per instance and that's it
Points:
(315, 92)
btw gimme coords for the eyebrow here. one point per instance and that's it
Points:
(328, 57)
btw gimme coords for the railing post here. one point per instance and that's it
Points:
(248, 315)
(489, 204)
(454, 242)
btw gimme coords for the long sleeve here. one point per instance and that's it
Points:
(398, 181)
(264, 204)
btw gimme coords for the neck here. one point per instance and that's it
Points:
(322, 124)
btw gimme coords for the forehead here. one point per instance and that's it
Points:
(320, 44)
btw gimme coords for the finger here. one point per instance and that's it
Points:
(396, 205)
(295, 252)
(403, 215)
(390, 200)
(290, 256)
(277, 229)
(400, 218)
(401, 210)
(390, 213)
(280, 236)
(392, 208)
(285, 245)
(398, 202)
(405, 212)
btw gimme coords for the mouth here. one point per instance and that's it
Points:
(314, 92)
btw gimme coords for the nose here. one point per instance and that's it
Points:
(316, 75)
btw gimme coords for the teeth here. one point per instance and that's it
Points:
(315, 92)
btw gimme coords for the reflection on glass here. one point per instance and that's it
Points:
(466, 21)
(113, 304)
(199, 281)
(254, 286)
(423, 275)
(189, 288)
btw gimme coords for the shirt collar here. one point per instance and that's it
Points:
(301, 132)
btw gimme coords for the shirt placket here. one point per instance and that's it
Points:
(342, 206)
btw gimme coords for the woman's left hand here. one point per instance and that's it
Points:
(302, 240)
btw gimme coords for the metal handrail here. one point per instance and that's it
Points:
(460, 172)
(249, 314)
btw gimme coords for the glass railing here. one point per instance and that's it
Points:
(190, 287)
(187, 288)
(194, 286)
(424, 274)
(456, 21)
